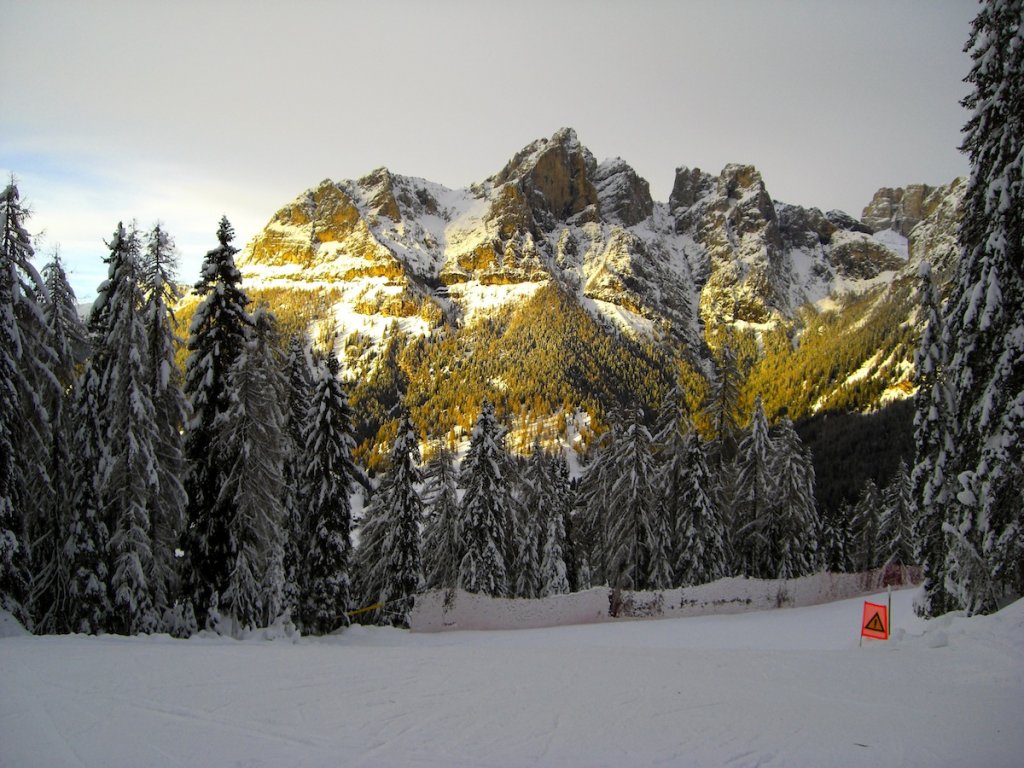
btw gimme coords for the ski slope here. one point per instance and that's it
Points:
(782, 687)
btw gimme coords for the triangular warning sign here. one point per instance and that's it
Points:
(875, 622)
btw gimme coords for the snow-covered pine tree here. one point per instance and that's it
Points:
(565, 497)
(443, 545)
(88, 541)
(389, 555)
(834, 538)
(795, 523)
(934, 439)
(671, 453)
(637, 553)
(169, 501)
(863, 538)
(298, 367)
(896, 544)
(87, 538)
(129, 471)
(253, 434)
(704, 552)
(985, 563)
(554, 577)
(26, 384)
(537, 504)
(217, 336)
(485, 512)
(14, 552)
(756, 492)
(662, 567)
(51, 566)
(722, 405)
(67, 332)
(328, 475)
(589, 519)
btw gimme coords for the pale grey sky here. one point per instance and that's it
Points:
(184, 111)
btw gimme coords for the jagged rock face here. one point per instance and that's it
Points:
(860, 257)
(934, 238)
(805, 227)
(381, 200)
(720, 251)
(690, 186)
(843, 220)
(901, 209)
(742, 264)
(323, 217)
(624, 197)
(554, 177)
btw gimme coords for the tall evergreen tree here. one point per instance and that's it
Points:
(671, 449)
(486, 514)
(25, 380)
(554, 571)
(217, 336)
(537, 505)
(756, 489)
(389, 556)
(722, 406)
(985, 563)
(834, 538)
(169, 501)
(795, 523)
(129, 471)
(704, 552)
(51, 565)
(637, 545)
(88, 535)
(88, 542)
(253, 433)
(589, 520)
(934, 441)
(863, 542)
(565, 495)
(896, 543)
(299, 383)
(443, 544)
(329, 472)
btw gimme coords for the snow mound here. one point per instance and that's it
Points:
(1002, 631)
(10, 626)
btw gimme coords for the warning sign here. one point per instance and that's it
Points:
(875, 622)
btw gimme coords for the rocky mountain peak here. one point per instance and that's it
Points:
(690, 185)
(379, 189)
(743, 186)
(555, 177)
(901, 208)
(624, 197)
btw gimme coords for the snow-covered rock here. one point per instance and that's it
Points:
(401, 251)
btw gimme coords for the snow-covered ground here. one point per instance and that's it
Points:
(781, 687)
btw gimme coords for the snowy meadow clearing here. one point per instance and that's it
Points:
(780, 687)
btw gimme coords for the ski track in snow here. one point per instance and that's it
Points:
(784, 687)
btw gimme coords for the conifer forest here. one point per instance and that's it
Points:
(172, 465)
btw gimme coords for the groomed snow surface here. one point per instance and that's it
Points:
(779, 687)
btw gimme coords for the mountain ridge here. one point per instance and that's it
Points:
(407, 256)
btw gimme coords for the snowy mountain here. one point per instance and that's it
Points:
(389, 253)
